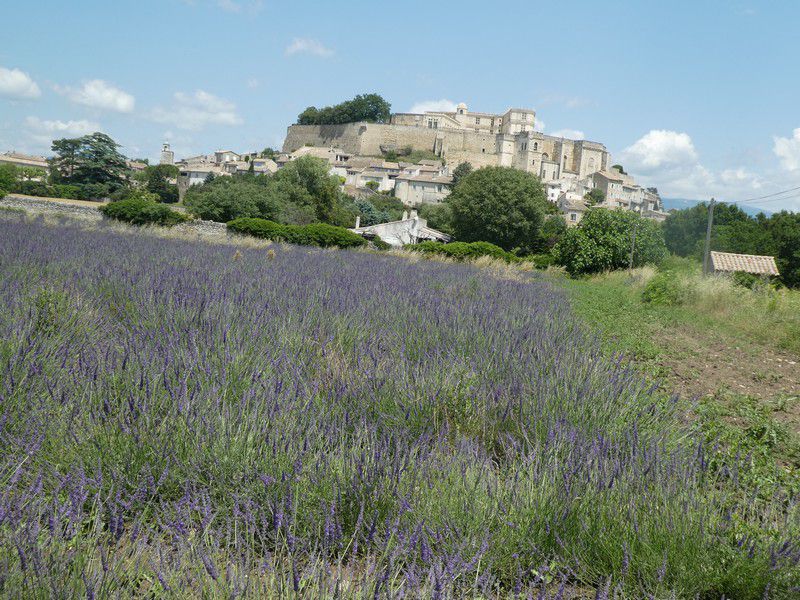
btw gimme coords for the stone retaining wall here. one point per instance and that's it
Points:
(92, 213)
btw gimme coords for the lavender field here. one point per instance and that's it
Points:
(183, 419)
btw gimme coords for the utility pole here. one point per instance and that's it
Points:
(707, 249)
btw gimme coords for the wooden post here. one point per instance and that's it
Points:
(707, 250)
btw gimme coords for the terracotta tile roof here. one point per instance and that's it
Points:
(748, 263)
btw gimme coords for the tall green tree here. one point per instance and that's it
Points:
(685, 230)
(500, 205)
(157, 182)
(92, 160)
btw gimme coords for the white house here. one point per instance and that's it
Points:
(411, 229)
(413, 190)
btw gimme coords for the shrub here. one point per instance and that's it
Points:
(139, 211)
(315, 234)
(463, 250)
(2, 193)
(541, 261)
(602, 242)
(665, 289)
(63, 190)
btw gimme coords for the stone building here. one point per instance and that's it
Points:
(410, 229)
(482, 139)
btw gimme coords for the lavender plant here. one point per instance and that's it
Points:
(182, 419)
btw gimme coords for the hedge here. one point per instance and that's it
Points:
(463, 250)
(143, 212)
(315, 234)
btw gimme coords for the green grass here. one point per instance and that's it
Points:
(745, 429)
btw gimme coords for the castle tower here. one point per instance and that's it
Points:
(167, 155)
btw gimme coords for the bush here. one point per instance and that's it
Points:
(73, 192)
(541, 261)
(602, 242)
(315, 234)
(665, 289)
(463, 250)
(139, 211)
(2, 193)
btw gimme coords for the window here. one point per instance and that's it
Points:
(483, 150)
(524, 146)
(535, 145)
(477, 120)
(573, 217)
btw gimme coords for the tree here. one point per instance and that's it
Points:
(439, 216)
(500, 205)
(306, 181)
(364, 107)
(594, 196)
(461, 171)
(373, 185)
(8, 176)
(268, 153)
(602, 242)
(619, 168)
(685, 230)
(156, 182)
(92, 161)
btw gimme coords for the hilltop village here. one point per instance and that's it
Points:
(385, 157)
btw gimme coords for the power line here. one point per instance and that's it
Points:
(774, 199)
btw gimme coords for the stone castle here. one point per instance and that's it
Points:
(482, 139)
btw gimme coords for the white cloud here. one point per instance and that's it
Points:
(100, 94)
(43, 131)
(17, 85)
(669, 161)
(308, 46)
(196, 111)
(442, 105)
(237, 7)
(570, 134)
(788, 150)
(659, 149)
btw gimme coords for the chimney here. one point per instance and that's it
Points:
(358, 221)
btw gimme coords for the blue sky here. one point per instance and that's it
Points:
(698, 98)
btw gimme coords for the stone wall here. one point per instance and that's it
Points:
(52, 207)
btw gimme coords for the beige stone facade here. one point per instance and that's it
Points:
(482, 139)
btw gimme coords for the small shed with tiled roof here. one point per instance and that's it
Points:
(727, 262)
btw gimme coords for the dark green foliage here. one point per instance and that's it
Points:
(314, 234)
(380, 244)
(619, 168)
(463, 250)
(602, 242)
(541, 261)
(8, 176)
(92, 162)
(500, 205)
(268, 153)
(664, 289)
(364, 107)
(554, 229)
(300, 193)
(373, 185)
(139, 211)
(156, 178)
(594, 196)
(685, 230)
(439, 216)
(461, 171)
(735, 231)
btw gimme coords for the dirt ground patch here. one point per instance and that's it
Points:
(699, 364)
